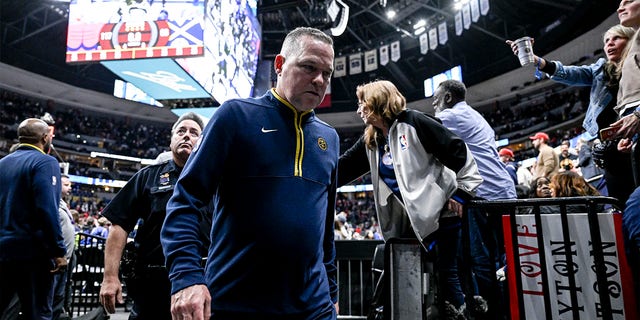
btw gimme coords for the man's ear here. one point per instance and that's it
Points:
(277, 64)
(447, 98)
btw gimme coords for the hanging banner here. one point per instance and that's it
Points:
(466, 16)
(355, 64)
(395, 51)
(340, 67)
(326, 101)
(475, 10)
(443, 36)
(370, 60)
(384, 55)
(433, 38)
(544, 251)
(458, 23)
(484, 7)
(424, 43)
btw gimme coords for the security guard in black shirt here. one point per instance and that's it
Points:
(142, 201)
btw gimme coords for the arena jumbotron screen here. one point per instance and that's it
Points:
(134, 29)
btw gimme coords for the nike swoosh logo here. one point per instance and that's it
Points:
(268, 130)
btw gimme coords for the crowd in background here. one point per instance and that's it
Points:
(145, 139)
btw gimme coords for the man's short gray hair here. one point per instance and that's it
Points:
(189, 116)
(291, 43)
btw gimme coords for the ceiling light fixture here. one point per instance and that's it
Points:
(421, 23)
(391, 14)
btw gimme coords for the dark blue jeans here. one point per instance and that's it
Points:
(59, 291)
(486, 248)
(448, 242)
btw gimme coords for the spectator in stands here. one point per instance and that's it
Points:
(547, 163)
(142, 202)
(274, 149)
(101, 230)
(566, 158)
(422, 173)
(31, 245)
(628, 107)
(525, 176)
(571, 184)
(506, 156)
(89, 224)
(540, 188)
(68, 234)
(485, 227)
(603, 77)
(600, 76)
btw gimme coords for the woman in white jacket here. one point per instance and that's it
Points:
(422, 174)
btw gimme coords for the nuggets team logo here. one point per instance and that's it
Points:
(164, 178)
(322, 144)
(404, 145)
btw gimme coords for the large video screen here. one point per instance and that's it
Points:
(134, 29)
(431, 84)
(232, 37)
(159, 78)
(126, 90)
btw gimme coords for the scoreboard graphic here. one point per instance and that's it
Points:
(134, 29)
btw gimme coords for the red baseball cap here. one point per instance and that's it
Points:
(540, 135)
(506, 152)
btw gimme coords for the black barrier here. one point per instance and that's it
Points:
(353, 260)
(556, 249)
(356, 280)
(87, 274)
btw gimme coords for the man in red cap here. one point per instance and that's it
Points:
(547, 163)
(506, 156)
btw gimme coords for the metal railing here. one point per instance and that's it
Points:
(356, 279)
(86, 276)
(353, 260)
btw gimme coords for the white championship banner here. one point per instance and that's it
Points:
(553, 265)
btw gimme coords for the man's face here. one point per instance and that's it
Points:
(629, 13)
(536, 143)
(504, 159)
(66, 186)
(564, 149)
(303, 78)
(183, 139)
(439, 98)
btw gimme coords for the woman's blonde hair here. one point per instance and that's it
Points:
(613, 69)
(620, 31)
(385, 101)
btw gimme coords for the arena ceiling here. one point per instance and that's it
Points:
(34, 31)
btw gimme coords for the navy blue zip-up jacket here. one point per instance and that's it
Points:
(29, 228)
(271, 171)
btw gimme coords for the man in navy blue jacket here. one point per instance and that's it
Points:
(270, 166)
(31, 246)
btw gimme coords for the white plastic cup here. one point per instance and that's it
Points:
(525, 51)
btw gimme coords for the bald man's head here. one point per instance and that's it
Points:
(35, 131)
